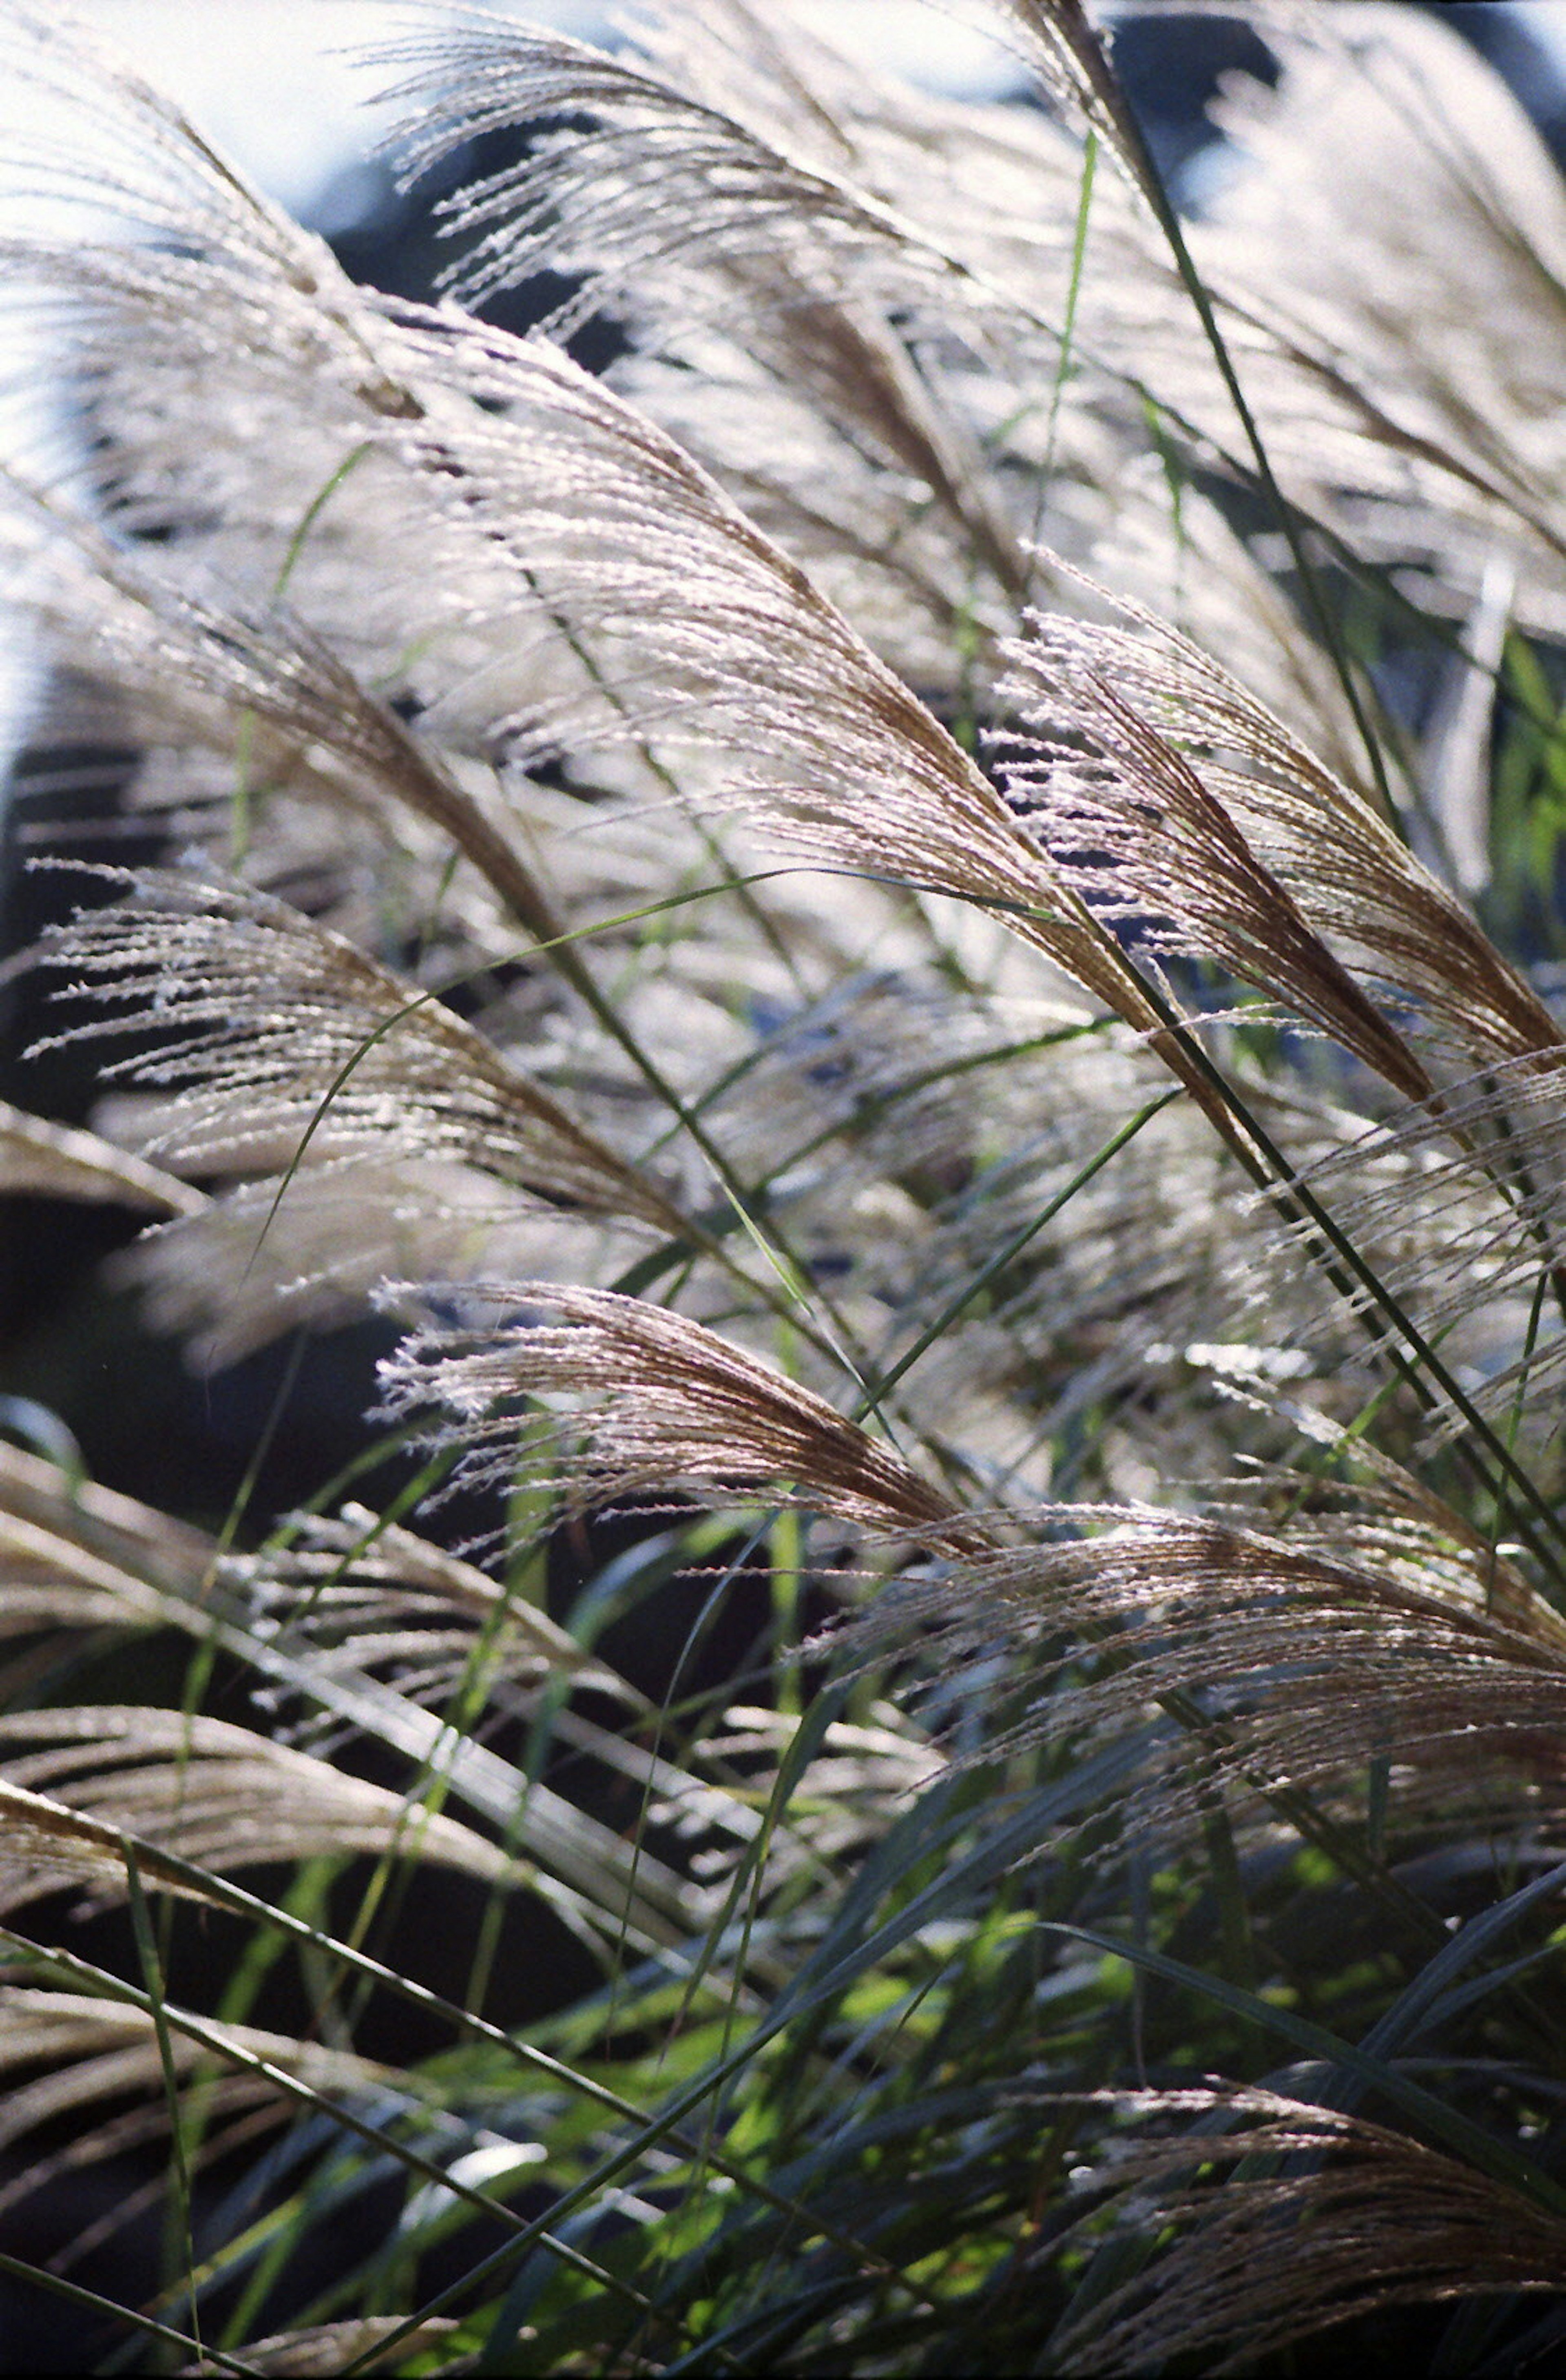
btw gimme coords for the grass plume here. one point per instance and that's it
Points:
(841, 941)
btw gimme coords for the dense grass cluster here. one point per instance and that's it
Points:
(941, 1080)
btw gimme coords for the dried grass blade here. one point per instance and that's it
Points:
(38, 1156)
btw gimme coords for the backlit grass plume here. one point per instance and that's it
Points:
(924, 1729)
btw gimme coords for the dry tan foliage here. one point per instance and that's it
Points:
(1344, 2218)
(46, 1844)
(275, 1033)
(360, 1595)
(75, 1555)
(66, 2055)
(97, 2047)
(85, 1522)
(755, 592)
(325, 2349)
(97, 1559)
(100, 1560)
(214, 1793)
(48, 1581)
(61, 1163)
(1214, 813)
(1290, 1659)
(658, 1404)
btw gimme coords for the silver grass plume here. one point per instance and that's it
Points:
(764, 201)
(714, 640)
(97, 1559)
(654, 1403)
(1291, 1658)
(1462, 1197)
(242, 679)
(262, 1258)
(213, 1793)
(1062, 44)
(824, 355)
(1321, 2216)
(1218, 814)
(359, 1593)
(1195, 574)
(578, 584)
(273, 1032)
(1385, 126)
(724, 97)
(96, 2049)
(996, 287)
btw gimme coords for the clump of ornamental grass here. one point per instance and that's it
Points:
(833, 929)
